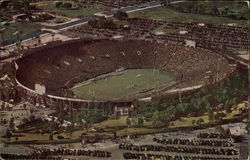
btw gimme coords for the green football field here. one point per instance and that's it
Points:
(123, 85)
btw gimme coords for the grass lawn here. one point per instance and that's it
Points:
(49, 6)
(134, 131)
(169, 15)
(121, 122)
(187, 121)
(126, 84)
(24, 28)
(28, 137)
(238, 8)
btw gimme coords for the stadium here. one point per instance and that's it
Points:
(118, 70)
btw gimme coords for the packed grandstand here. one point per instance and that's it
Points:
(60, 66)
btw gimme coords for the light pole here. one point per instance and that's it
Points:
(180, 90)
(53, 36)
(2, 35)
(217, 72)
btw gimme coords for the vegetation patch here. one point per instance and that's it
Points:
(172, 15)
(230, 9)
(16, 30)
(70, 9)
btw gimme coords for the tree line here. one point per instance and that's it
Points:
(211, 101)
(234, 11)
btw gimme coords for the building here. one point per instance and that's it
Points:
(123, 110)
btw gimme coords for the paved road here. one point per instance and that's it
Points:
(133, 8)
(72, 23)
(106, 13)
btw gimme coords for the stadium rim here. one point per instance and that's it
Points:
(53, 97)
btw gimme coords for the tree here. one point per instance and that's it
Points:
(24, 106)
(32, 118)
(165, 2)
(248, 125)
(8, 133)
(58, 4)
(159, 118)
(102, 22)
(67, 5)
(219, 116)
(52, 126)
(90, 115)
(227, 132)
(16, 5)
(193, 122)
(228, 107)
(121, 15)
(220, 129)
(200, 121)
(93, 23)
(201, 9)
(69, 129)
(11, 124)
(210, 115)
(26, 5)
(216, 11)
(2, 35)
(53, 36)
(128, 122)
(3, 106)
(50, 136)
(226, 11)
(172, 110)
(105, 23)
(60, 117)
(140, 121)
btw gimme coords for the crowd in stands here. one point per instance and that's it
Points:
(78, 62)
(57, 154)
(208, 35)
(205, 35)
